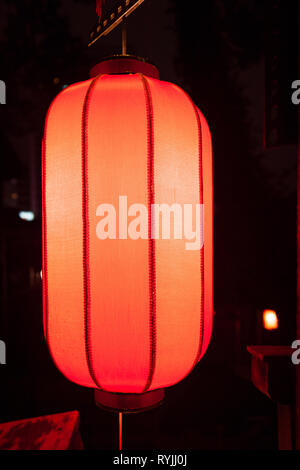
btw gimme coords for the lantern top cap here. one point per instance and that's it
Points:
(124, 64)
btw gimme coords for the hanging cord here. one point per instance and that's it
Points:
(120, 430)
(124, 37)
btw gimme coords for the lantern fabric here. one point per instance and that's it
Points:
(124, 315)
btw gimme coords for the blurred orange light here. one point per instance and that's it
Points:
(270, 320)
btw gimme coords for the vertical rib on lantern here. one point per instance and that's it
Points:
(151, 201)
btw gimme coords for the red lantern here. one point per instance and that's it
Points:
(127, 170)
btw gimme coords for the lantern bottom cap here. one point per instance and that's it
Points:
(129, 402)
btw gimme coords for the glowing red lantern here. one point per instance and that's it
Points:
(127, 298)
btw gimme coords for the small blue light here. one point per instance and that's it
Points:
(27, 215)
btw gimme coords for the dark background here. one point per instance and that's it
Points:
(237, 59)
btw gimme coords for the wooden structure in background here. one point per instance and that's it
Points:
(54, 432)
(298, 273)
(272, 372)
(118, 11)
(280, 72)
